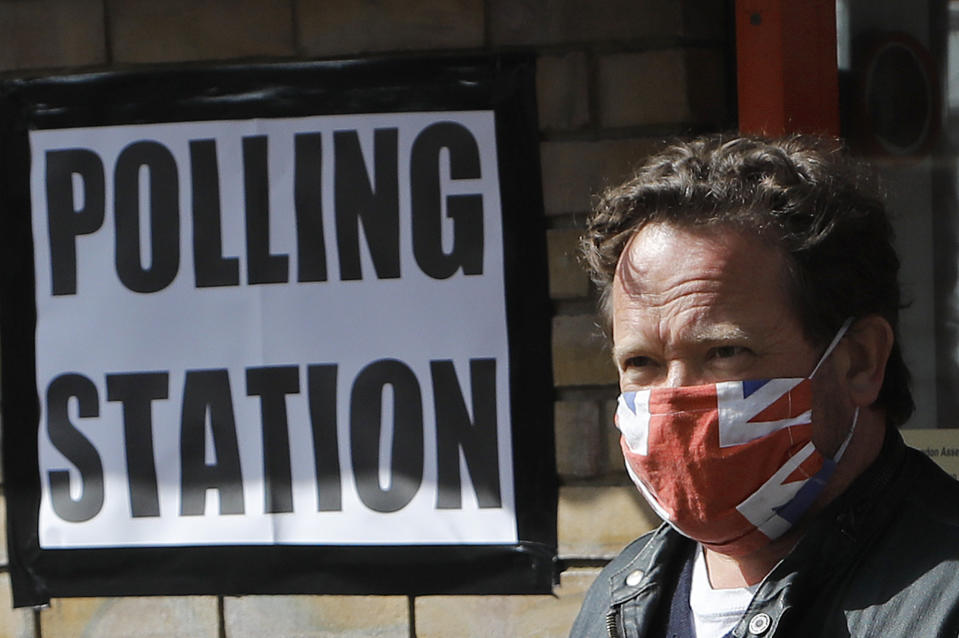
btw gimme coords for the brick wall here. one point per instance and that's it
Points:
(614, 77)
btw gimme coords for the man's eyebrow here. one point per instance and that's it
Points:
(722, 333)
(719, 333)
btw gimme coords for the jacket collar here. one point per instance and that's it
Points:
(864, 507)
(653, 565)
(836, 538)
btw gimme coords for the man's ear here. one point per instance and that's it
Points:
(866, 348)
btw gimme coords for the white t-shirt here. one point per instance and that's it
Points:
(715, 611)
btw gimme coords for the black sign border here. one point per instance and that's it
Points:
(503, 83)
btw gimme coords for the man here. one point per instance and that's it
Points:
(750, 292)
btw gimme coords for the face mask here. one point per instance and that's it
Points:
(731, 464)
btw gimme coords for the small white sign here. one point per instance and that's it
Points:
(941, 445)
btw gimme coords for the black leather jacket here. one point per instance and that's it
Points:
(881, 560)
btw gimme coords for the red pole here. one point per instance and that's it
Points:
(786, 67)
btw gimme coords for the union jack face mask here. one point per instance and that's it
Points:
(730, 464)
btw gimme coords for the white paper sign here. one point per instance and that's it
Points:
(272, 331)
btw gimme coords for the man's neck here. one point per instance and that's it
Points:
(727, 572)
(741, 571)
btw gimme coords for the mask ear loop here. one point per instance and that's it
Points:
(855, 417)
(832, 345)
(845, 443)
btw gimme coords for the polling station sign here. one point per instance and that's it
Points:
(276, 329)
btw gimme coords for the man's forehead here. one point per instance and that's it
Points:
(661, 254)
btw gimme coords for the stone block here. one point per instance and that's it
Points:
(562, 91)
(580, 356)
(645, 88)
(579, 442)
(567, 277)
(14, 623)
(317, 616)
(614, 463)
(539, 22)
(597, 522)
(668, 86)
(51, 33)
(185, 30)
(575, 171)
(143, 617)
(505, 616)
(345, 27)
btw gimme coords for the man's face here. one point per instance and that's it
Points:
(696, 306)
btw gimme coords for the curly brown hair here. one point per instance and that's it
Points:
(802, 193)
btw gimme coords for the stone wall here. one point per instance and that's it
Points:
(614, 78)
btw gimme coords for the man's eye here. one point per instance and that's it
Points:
(638, 362)
(726, 352)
